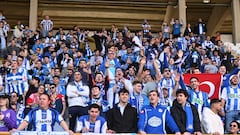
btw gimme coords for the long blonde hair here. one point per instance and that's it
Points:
(8, 103)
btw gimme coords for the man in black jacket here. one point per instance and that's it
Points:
(200, 29)
(185, 114)
(122, 118)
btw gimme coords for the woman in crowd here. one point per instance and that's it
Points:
(234, 127)
(7, 116)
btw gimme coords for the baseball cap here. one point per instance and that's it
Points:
(231, 77)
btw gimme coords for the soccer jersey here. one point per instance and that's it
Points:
(232, 97)
(43, 120)
(153, 120)
(99, 126)
(169, 84)
(47, 24)
(199, 99)
(16, 83)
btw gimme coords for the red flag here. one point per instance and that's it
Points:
(210, 83)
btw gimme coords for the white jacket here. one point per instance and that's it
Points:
(211, 122)
(77, 97)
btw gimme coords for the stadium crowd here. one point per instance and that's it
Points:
(115, 81)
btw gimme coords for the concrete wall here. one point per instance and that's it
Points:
(226, 38)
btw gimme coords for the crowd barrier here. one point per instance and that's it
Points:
(37, 133)
(65, 133)
(60, 133)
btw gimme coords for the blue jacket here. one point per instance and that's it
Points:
(154, 120)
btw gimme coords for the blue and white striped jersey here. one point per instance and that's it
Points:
(47, 24)
(169, 84)
(232, 97)
(199, 99)
(99, 126)
(16, 83)
(43, 120)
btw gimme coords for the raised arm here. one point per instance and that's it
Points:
(141, 66)
(176, 79)
(158, 74)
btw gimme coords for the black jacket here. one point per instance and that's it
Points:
(187, 32)
(126, 123)
(180, 117)
(196, 28)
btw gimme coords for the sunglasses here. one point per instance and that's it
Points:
(233, 125)
(51, 87)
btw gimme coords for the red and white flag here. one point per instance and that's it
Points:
(210, 83)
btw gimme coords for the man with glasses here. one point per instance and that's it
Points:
(57, 99)
(231, 99)
(170, 82)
